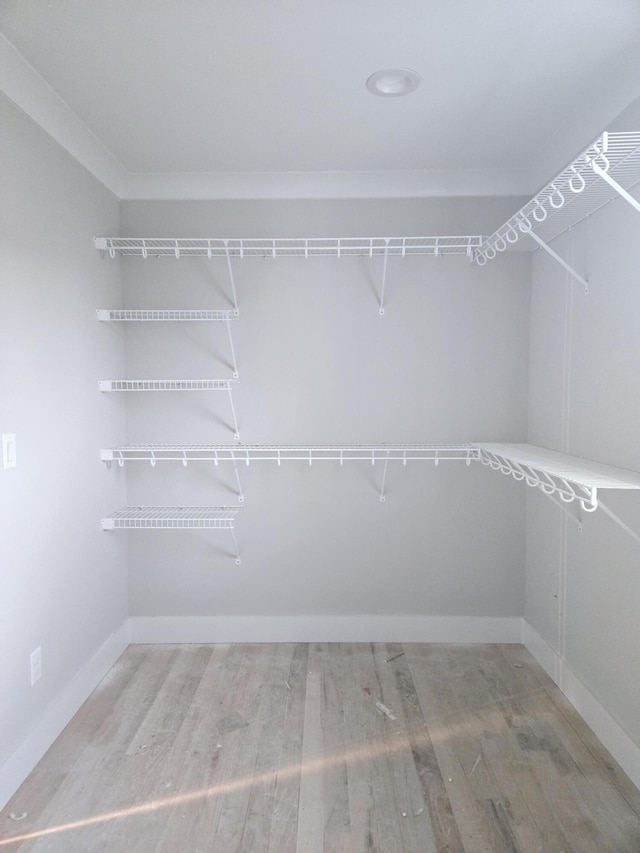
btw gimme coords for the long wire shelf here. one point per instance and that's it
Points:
(307, 247)
(172, 518)
(609, 167)
(107, 385)
(106, 315)
(571, 478)
(282, 453)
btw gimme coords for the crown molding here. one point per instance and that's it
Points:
(24, 86)
(325, 185)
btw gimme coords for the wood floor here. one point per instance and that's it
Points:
(325, 747)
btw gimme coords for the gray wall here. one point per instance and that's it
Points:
(448, 363)
(583, 589)
(63, 580)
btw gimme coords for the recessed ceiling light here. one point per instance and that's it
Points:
(392, 82)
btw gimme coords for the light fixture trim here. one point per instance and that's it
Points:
(393, 82)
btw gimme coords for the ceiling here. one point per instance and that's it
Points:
(243, 87)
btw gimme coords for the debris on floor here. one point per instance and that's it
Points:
(395, 657)
(385, 710)
(15, 816)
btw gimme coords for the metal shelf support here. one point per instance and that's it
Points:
(384, 277)
(619, 522)
(615, 185)
(383, 497)
(231, 279)
(560, 260)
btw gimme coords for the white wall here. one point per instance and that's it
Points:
(583, 589)
(448, 363)
(63, 580)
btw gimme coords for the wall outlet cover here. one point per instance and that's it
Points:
(9, 450)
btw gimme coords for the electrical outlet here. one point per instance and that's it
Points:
(36, 665)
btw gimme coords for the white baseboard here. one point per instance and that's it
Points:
(612, 735)
(328, 629)
(18, 766)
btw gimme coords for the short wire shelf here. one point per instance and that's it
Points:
(172, 518)
(107, 385)
(306, 247)
(106, 315)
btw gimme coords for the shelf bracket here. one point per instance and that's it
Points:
(384, 277)
(619, 522)
(240, 492)
(233, 352)
(560, 260)
(615, 185)
(231, 279)
(576, 519)
(233, 414)
(235, 547)
(383, 497)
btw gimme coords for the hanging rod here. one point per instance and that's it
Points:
(571, 478)
(306, 247)
(215, 453)
(174, 518)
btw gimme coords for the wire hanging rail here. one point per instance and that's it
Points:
(245, 454)
(248, 453)
(301, 247)
(109, 385)
(174, 518)
(145, 315)
(608, 168)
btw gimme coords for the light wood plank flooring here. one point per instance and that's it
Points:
(298, 748)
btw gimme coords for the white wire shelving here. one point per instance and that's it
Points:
(142, 315)
(607, 169)
(174, 518)
(372, 454)
(248, 453)
(305, 247)
(109, 385)
(571, 478)
(239, 248)
(153, 315)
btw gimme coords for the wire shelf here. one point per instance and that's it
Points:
(570, 477)
(305, 247)
(575, 193)
(108, 385)
(282, 453)
(145, 314)
(172, 518)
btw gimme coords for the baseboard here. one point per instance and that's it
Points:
(328, 629)
(612, 735)
(18, 766)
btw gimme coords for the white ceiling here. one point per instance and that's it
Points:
(243, 86)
